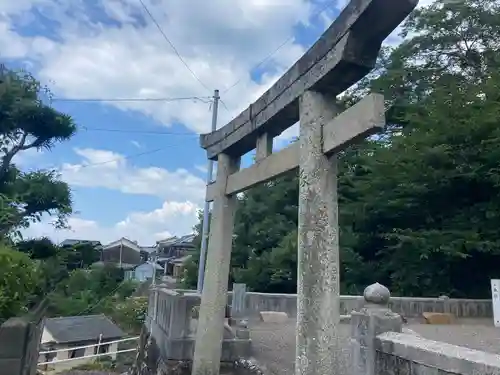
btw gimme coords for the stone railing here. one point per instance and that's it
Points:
(409, 307)
(172, 321)
(379, 348)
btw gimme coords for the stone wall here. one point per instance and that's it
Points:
(409, 307)
(399, 353)
(20, 340)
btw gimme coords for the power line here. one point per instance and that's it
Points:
(270, 55)
(204, 99)
(157, 132)
(126, 157)
(171, 44)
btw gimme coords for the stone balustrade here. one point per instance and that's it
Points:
(378, 347)
(409, 307)
(172, 322)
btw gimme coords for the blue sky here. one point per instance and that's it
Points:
(136, 168)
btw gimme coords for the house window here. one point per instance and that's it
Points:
(77, 353)
(101, 349)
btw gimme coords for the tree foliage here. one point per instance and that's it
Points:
(18, 283)
(419, 204)
(27, 122)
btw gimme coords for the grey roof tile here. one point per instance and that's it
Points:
(82, 328)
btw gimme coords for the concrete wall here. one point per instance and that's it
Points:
(399, 353)
(409, 307)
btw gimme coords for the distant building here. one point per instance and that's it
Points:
(173, 253)
(123, 251)
(70, 333)
(143, 272)
(174, 247)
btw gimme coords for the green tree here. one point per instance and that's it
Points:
(90, 291)
(18, 283)
(27, 122)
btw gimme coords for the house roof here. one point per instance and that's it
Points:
(177, 241)
(82, 328)
(124, 242)
(185, 240)
(167, 241)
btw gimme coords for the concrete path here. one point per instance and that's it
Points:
(274, 344)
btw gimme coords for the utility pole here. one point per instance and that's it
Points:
(155, 291)
(206, 209)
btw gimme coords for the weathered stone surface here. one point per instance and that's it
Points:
(317, 345)
(273, 316)
(345, 318)
(209, 334)
(377, 294)
(375, 318)
(438, 318)
(410, 332)
(399, 353)
(364, 118)
(147, 357)
(344, 54)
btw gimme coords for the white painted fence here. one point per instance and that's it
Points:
(88, 346)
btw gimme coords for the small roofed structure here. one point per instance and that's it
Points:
(69, 333)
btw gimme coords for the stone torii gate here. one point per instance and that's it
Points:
(344, 54)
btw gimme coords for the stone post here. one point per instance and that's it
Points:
(209, 333)
(238, 302)
(372, 320)
(318, 315)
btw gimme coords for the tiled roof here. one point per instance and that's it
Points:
(125, 242)
(82, 328)
(168, 241)
(176, 241)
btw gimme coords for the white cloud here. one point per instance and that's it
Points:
(108, 169)
(172, 218)
(220, 40)
(28, 159)
(182, 192)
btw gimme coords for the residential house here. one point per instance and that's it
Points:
(176, 266)
(71, 335)
(143, 272)
(173, 253)
(148, 252)
(123, 251)
(174, 247)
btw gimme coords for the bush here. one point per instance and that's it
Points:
(19, 281)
